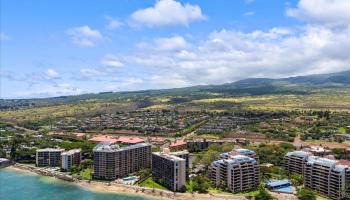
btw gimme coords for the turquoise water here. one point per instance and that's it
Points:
(16, 185)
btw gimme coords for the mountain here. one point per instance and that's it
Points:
(254, 86)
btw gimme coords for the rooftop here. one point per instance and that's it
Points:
(50, 150)
(72, 151)
(130, 140)
(178, 143)
(106, 147)
(168, 156)
(299, 154)
(110, 147)
(327, 163)
(238, 159)
(103, 138)
(244, 151)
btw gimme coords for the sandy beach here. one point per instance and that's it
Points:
(98, 186)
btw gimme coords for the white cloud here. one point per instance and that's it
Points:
(87, 72)
(62, 89)
(329, 12)
(229, 55)
(130, 83)
(84, 36)
(111, 61)
(51, 74)
(165, 44)
(250, 13)
(112, 23)
(172, 43)
(168, 81)
(167, 13)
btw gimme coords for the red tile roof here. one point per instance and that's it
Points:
(130, 140)
(103, 138)
(344, 162)
(178, 143)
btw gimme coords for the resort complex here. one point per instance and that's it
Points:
(112, 161)
(236, 172)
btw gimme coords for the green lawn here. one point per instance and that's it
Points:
(251, 193)
(150, 183)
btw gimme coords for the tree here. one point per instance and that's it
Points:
(305, 194)
(297, 179)
(86, 163)
(144, 173)
(263, 194)
(198, 183)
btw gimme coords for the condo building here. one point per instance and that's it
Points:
(239, 151)
(70, 158)
(112, 161)
(185, 155)
(327, 177)
(48, 157)
(169, 170)
(294, 162)
(238, 173)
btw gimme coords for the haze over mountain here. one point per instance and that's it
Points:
(303, 85)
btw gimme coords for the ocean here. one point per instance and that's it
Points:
(16, 185)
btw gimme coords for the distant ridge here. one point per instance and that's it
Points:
(253, 86)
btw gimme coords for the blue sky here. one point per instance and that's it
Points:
(54, 48)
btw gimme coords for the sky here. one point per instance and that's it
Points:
(63, 47)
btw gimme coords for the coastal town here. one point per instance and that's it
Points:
(175, 100)
(224, 155)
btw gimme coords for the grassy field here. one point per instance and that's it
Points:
(332, 101)
(57, 111)
(150, 183)
(327, 99)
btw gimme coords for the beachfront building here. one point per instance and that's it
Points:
(48, 157)
(238, 173)
(294, 162)
(169, 170)
(185, 155)
(70, 158)
(112, 161)
(327, 177)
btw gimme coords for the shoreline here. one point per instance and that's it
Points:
(96, 186)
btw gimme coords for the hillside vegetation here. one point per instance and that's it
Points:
(315, 92)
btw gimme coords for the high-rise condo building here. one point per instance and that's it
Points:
(185, 155)
(237, 173)
(48, 157)
(169, 170)
(327, 177)
(111, 161)
(70, 158)
(294, 162)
